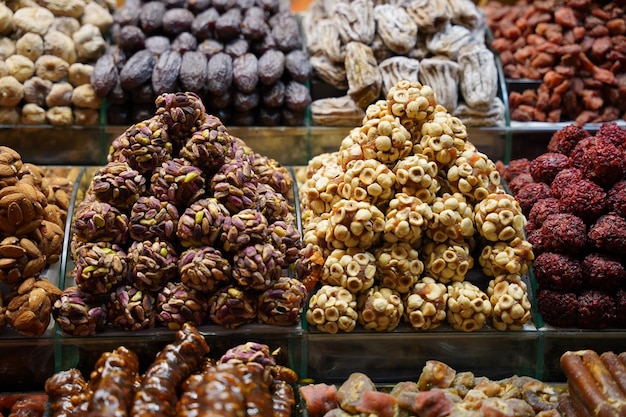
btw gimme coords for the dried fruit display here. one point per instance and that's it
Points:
(34, 203)
(575, 51)
(362, 49)
(182, 379)
(47, 58)
(396, 219)
(245, 60)
(185, 223)
(576, 225)
(438, 390)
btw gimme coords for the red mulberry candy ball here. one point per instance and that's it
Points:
(529, 194)
(603, 163)
(608, 234)
(565, 233)
(517, 183)
(564, 179)
(558, 308)
(576, 155)
(603, 272)
(596, 309)
(613, 132)
(539, 241)
(558, 272)
(585, 199)
(564, 140)
(616, 198)
(540, 212)
(516, 167)
(545, 167)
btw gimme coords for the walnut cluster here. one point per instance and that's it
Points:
(403, 252)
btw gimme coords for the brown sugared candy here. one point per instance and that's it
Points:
(282, 303)
(499, 217)
(351, 269)
(151, 218)
(151, 264)
(286, 238)
(468, 307)
(178, 304)
(274, 205)
(209, 146)
(118, 184)
(509, 301)
(100, 267)
(20, 259)
(231, 307)
(425, 304)
(244, 228)
(29, 308)
(398, 266)
(331, 309)
(406, 219)
(380, 309)
(447, 262)
(235, 185)
(21, 208)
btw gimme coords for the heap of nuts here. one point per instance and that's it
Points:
(184, 224)
(33, 211)
(395, 220)
(575, 50)
(574, 196)
(47, 52)
(243, 58)
(362, 48)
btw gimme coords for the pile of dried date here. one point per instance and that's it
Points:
(438, 391)
(33, 209)
(184, 224)
(576, 49)
(244, 58)
(363, 48)
(394, 221)
(47, 52)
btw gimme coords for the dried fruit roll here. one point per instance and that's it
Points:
(68, 393)
(113, 382)
(616, 367)
(157, 393)
(584, 388)
(283, 399)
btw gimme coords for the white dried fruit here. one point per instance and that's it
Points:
(478, 81)
(397, 68)
(21, 67)
(442, 75)
(33, 19)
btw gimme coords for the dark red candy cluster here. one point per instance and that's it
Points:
(574, 196)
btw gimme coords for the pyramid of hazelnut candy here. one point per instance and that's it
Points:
(574, 196)
(396, 218)
(184, 224)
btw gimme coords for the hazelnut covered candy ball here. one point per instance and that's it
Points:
(447, 262)
(443, 137)
(499, 217)
(352, 269)
(503, 258)
(474, 175)
(425, 304)
(406, 219)
(380, 309)
(398, 266)
(453, 218)
(468, 307)
(354, 224)
(413, 103)
(367, 180)
(509, 301)
(332, 308)
(416, 175)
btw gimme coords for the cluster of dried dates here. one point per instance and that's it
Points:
(33, 210)
(576, 49)
(363, 48)
(47, 52)
(243, 58)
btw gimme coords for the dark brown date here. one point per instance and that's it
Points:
(210, 47)
(245, 101)
(254, 25)
(236, 47)
(269, 117)
(151, 16)
(104, 75)
(298, 65)
(143, 94)
(118, 95)
(184, 42)
(245, 72)
(223, 5)
(293, 118)
(203, 26)
(219, 73)
(243, 118)
(198, 6)
(177, 21)
(192, 75)
(271, 66)
(228, 25)
(297, 96)
(126, 15)
(285, 31)
(165, 73)
(157, 44)
(130, 38)
(222, 102)
(274, 96)
(138, 69)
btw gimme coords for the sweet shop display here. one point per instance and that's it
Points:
(574, 50)
(47, 54)
(185, 224)
(400, 214)
(183, 380)
(245, 60)
(573, 197)
(362, 49)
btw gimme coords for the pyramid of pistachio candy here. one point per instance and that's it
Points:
(395, 219)
(184, 224)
